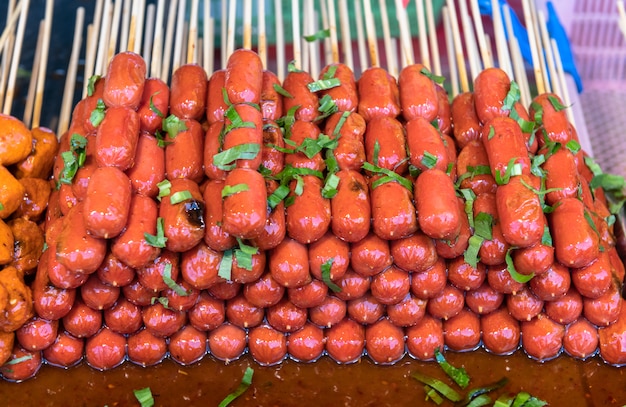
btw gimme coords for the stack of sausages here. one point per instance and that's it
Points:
(231, 213)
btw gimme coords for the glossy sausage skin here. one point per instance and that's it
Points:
(388, 134)
(117, 137)
(246, 135)
(212, 146)
(300, 132)
(471, 159)
(154, 106)
(350, 207)
(184, 156)
(244, 77)
(245, 212)
(466, 124)
(131, 246)
(296, 85)
(554, 123)
(183, 222)
(350, 150)
(561, 176)
(214, 235)
(490, 89)
(124, 81)
(271, 158)
(345, 95)
(149, 168)
(504, 141)
(425, 140)
(275, 227)
(188, 92)
(107, 203)
(379, 95)
(393, 212)
(520, 212)
(437, 208)
(418, 95)
(215, 104)
(76, 248)
(271, 100)
(308, 217)
(575, 242)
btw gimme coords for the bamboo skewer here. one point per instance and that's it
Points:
(32, 85)
(177, 60)
(297, 49)
(485, 52)
(528, 18)
(622, 17)
(519, 70)
(389, 53)
(470, 41)
(157, 41)
(432, 38)
(280, 40)
(192, 43)
(421, 25)
(370, 28)
(332, 26)
(149, 35)
(8, 29)
(115, 24)
(561, 75)
(360, 37)
(555, 86)
(43, 63)
(447, 26)
(19, 38)
(405, 35)
(107, 15)
(70, 80)
(208, 38)
(262, 35)
(167, 48)
(124, 34)
(460, 58)
(500, 35)
(247, 24)
(92, 40)
(346, 41)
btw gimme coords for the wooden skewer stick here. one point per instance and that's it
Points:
(346, 41)
(179, 37)
(102, 49)
(358, 13)
(370, 27)
(224, 31)
(92, 39)
(326, 48)
(423, 40)
(460, 58)
(308, 54)
(167, 47)
(6, 62)
(149, 35)
(519, 71)
(11, 20)
(541, 88)
(262, 35)
(70, 79)
(192, 43)
(567, 101)
(208, 38)
(622, 16)
(432, 38)
(124, 33)
(334, 45)
(470, 41)
(406, 44)
(485, 53)
(280, 40)
(19, 39)
(555, 86)
(41, 80)
(297, 44)
(157, 42)
(447, 27)
(114, 31)
(504, 59)
(141, 8)
(34, 76)
(247, 24)
(392, 66)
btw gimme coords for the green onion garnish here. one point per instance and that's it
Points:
(159, 239)
(436, 78)
(326, 266)
(229, 190)
(179, 197)
(144, 397)
(447, 391)
(91, 84)
(172, 125)
(225, 160)
(97, 114)
(164, 188)
(226, 265)
(154, 108)
(320, 35)
(281, 91)
(246, 381)
(520, 278)
(323, 84)
(512, 97)
(459, 375)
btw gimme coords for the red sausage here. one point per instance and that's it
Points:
(137, 293)
(244, 78)
(379, 95)
(575, 242)
(27, 365)
(271, 101)
(76, 249)
(304, 101)
(275, 227)
(151, 275)
(604, 310)
(500, 280)
(414, 253)
(595, 279)
(184, 155)
(565, 309)
(388, 134)
(308, 217)
(329, 312)
(492, 252)
(391, 285)
(393, 212)
(225, 289)
(329, 248)
(146, 349)
(465, 277)
(423, 338)
(106, 206)
(227, 342)
(444, 110)
(244, 314)
(300, 132)
(408, 312)
(124, 317)
(349, 130)
(561, 176)
(350, 207)
(501, 332)
(484, 299)
(418, 95)
(286, 317)
(149, 168)
(466, 127)
(66, 351)
(384, 342)
(105, 350)
(124, 81)
(450, 249)
(554, 123)
(154, 105)
(183, 222)
(289, 263)
(200, 265)
(188, 345)
(161, 321)
(365, 310)
(345, 95)
(267, 345)
(524, 305)
(534, 259)
(447, 304)
(542, 338)
(245, 212)
(552, 284)
(310, 295)
(353, 285)
(425, 144)
(504, 142)
(430, 282)
(436, 203)
(581, 339)
(37, 334)
(117, 138)
(462, 331)
(306, 344)
(208, 313)
(131, 246)
(345, 341)
(370, 255)
(98, 295)
(520, 212)
(188, 92)
(82, 321)
(611, 338)
(264, 291)
(271, 158)
(213, 141)
(473, 170)
(214, 235)
(490, 89)
(215, 104)
(251, 133)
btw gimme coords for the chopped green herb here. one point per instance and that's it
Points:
(471, 253)
(299, 189)
(159, 239)
(535, 165)
(538, 117)
(459, 375)
(154, 108)
(180, 196)
(167, 279)
(144, 397)
(226, 265)
(91, 84)
(1, 206)
(546, 238)
(246, 381)
(340, 123)
(164, 188)
(327, 107)
(429, 160)
(291, 67)
(229, 190)
(326, 267)
(277, 196)
(472, 394)
(556, 104)
(161, 142)
(97, 114)
(512, 97)
(520, 278)
(19, 360)
(73, 159)
(172, 125)
(236, 122)
(330, 186)
(431, 394)
(389, 176)
(286, 122)
(323, 84)
(330, 73)
(376, 152)
(320, 35)
(161, 300)
(480, 401)
(492, 132)
(472, 172)
(447, 391)
(512, 169)
(483, 223)
(469, 196)
(226, 160)
(281, 91)
(573, 146)
(608, 182)
(244, 254)
(435, 78)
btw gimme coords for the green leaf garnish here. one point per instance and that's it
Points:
(327, 107)
(73, 159)
(389, 176)
(286, 122)
(473, 171)
(330, 186)
(291, 67)
(246, 381)
(436, 78)
(277, 196)
(429, 160)
(520, 278)
(447, 391)
(167, 279)
(431, 394)
(538, 117)
(473, 248)
(281, 91)
(459, 375)
(244, 254)
(558, 106)
(512, 97)
(323, 84)
(180, 196)
(474, 393)
(492, 132)
(340, 123)
(226, 160)
(172, 125)
(320, 35)
(91, 84)
(330, 73)
(229, 190)
(97, 114)
(546, 238)
(18, 360)
(226, 265)
(573, 146)
(512, 169)
(154, 108)
(483, 223)
(164, 188)
(144, 397)
(236, 122)
(376, 152)
(326, 266)
(159, 239)
(1, 206)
